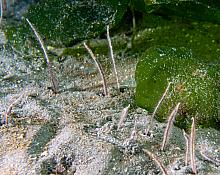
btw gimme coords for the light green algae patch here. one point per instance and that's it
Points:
(194, 83)
(201, 37)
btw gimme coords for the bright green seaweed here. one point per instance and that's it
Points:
(196, 85)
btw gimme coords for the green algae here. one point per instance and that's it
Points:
(65, 23)
(195, 83)
(202, 10)
(68, 22)
(201, 37)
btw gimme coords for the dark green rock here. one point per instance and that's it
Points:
(196, 85)
(70, 21)
(203, 10)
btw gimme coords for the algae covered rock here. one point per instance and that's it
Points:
(70, 21)
(203, 10)
(195, 84)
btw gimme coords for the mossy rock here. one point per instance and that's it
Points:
(201, 37)
(69, 21)
(203, 10)
(196, 84)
